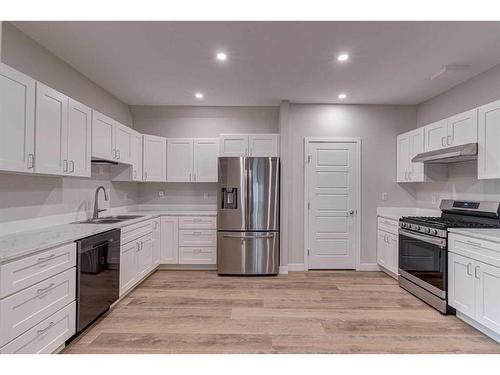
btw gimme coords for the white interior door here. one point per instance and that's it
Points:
(332, 190)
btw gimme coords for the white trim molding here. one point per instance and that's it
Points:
(367, 267)
(357, 141)
(297, 267)
(283, 270)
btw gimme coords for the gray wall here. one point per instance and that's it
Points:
(377, 126)
(193, 121)
(25, 197)
(462, 182)
(24, 54)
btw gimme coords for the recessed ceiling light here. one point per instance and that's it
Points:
(342, 96)
(199, 95)
(221, 56)
(343, 57)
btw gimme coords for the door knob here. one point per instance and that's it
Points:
(351, 212)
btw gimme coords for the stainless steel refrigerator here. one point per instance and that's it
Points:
(248, 222)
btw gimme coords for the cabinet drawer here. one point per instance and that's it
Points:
(23, 310)
(46, 336)
(135, 231)
(197, 222)
(197, 255)
(484, 251)
(388, 225)
(197, 238)
(22, 273)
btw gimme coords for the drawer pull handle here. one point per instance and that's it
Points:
(197, 251)
(474, 243)
(248, 237)
(45, 259)
(43, 290)
(197, 233)
(42, 331)
(476, 272)
(469, 269)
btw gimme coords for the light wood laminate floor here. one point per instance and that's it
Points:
(302, 312)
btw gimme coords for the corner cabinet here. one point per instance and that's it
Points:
(474, 282)
(488, 155)
(154, 158)
(192, 160)
(408, 145)
(249, 145)
(110, 140)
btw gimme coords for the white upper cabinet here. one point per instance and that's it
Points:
(180, 160)
(435, 135)
(249, 145)
(17, 121)
(122, 143)
(154, 162)
(51, 122)
(136, 156)
(408, 145)
(462, 128)
(102, 136)
(452, 131)
(79, 139)
(206, 152)
(263, 145)
(488, 156)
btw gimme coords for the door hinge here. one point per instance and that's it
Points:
(308, 251)
(309, 158)
(308, 205)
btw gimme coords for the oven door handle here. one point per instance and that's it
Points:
(441, 242)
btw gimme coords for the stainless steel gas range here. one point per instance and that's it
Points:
(423, 247)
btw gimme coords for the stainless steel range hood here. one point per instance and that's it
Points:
(453, 154)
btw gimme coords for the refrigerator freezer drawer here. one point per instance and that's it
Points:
(248, 253)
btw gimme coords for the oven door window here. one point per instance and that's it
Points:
(423, 260)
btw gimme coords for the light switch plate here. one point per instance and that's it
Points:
(384, 196)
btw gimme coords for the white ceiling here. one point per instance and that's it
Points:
(164, 63)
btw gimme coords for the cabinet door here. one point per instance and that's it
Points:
(79, 140)
(233, 145)
(416, 170)
(154, 161)
(382, 248)
(156, 241)
(206, 153)
(403, 157)
(488, 295)
(435, 135)
(180, 160)
(102, 136)
(51, 124)
(169, 240)
(461, 293)
(128, 273)
(392, 253)
(122, 139)
(462, 128)
(144, 257)
(263, 145)
(17, 121)
(488, 155)
(136, 155)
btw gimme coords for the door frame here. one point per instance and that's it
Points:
(357, 240)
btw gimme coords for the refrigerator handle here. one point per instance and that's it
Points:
(247, 237)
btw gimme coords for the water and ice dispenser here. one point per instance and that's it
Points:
(229, 198)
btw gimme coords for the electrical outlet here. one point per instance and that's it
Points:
(161, 194)
(384, 196)
(205, 196)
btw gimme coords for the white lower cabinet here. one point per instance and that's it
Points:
(46, 336)
(156, 242)
(197, 255)
(388, 245)
(169, 240)
(474, 281)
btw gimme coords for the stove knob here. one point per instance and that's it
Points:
(418, 227)
(427, 230)
(434, 231)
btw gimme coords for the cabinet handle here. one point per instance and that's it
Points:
(469, 269)
(196, 233)
(138, 247)
(194, 177)
(251, 151)
(449, 140)
(409, 175)
(71, 166)
(190, 177)
(42, 331)
(443, 141)
(246, 151)
(385, 238)
(45, 259)
(156, 225)
(31, 161)
(118, 153)
(145, 176)
(113, 153)
(474, 243)
(43, 290)
(65, 165)
(476, 272)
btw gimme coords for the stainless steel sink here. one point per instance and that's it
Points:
(109, 219)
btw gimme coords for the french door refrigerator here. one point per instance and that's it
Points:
(248, 234)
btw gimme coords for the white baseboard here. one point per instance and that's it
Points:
(488, 332)
(283, 270)
(297, 267)
(367, 267)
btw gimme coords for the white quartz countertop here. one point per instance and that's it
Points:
(483, 234)
(24, 243)
(397, 213)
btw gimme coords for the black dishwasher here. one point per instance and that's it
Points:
(97, 276)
